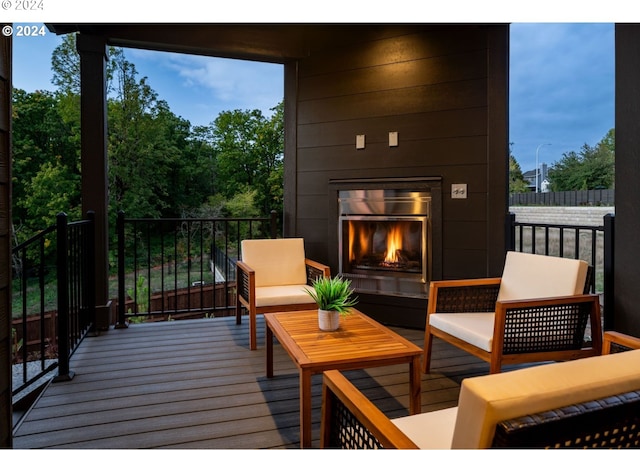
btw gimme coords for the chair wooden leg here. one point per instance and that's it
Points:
(253, 338)
(238, 312)
(426, 357)
(495, 364)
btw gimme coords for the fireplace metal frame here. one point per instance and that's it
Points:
(379, 205)
(372, 297)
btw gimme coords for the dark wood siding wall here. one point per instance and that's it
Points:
(5, 243)
(436, 86)
(626, 310)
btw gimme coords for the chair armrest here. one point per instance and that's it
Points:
(615, 342)
(472, 295)
(316, 270)
(350, 420)
(245, 281)
(518, 323)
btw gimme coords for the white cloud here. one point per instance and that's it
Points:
(200, 87)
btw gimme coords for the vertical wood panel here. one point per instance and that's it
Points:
(627, 239)
(6, 426)
(290, 149)
(497, 148)
(93, 110)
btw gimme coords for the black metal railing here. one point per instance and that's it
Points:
(593, 244)
(181, 267)
(33, 314)
(52, 286)
(596, 197)
(76, 287)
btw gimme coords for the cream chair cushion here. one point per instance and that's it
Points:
(474, 328)
(283, 295)
(526, 275)
(487, 400)
(276, 262)
(431, 429)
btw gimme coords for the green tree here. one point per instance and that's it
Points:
(65, 65)
(249, 151)
(52, 190)
(591, 168)
(154, 168)
(191, 177)
(43, 143)
(517, 182)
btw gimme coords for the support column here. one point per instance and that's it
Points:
(95, 182)
(627, 239)
(6, 411)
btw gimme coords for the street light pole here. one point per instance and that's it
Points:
(538, 168)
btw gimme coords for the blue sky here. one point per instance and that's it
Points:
(561, 84)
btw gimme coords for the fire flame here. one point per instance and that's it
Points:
(363, 241)
(386, 242)
(394, 244)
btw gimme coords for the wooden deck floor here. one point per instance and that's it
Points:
(195, 384)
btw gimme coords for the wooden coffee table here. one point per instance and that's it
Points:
(360, 342)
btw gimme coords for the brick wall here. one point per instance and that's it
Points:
(562, 215)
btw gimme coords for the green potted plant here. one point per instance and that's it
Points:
(333, 297)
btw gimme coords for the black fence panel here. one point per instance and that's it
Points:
(597, 197)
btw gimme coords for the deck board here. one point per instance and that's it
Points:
(196, 384)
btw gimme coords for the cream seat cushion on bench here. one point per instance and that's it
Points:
(281, 274)
(429, 430)
(525, 276)
(487, 400)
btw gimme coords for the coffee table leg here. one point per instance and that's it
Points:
(269, 345)
(415, 402)
(305, 409)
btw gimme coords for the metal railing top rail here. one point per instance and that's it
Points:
(33, 238)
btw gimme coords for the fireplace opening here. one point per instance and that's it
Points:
(384, 240)
(383, 244)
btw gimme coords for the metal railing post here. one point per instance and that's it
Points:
(121, 322)
(274, 224)
(608, 278)
(89, 287)
(510, 232)
(64, 374)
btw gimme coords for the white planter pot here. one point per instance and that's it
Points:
(328, 320)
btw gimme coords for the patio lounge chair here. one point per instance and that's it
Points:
(591, 402)
(537, 311)
(271, 277)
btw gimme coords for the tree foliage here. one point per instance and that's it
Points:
(158, 164)
(517, 182)
(591, 168)
(249, 153)
(45, 162)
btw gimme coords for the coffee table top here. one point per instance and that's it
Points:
(359, 341)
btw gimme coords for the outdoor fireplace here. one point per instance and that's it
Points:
(384, 240)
